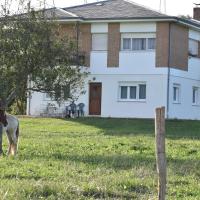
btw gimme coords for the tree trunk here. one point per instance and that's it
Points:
(2, 107)
(1, 136)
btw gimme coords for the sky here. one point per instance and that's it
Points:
(173, 7)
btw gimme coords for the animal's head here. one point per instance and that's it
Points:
(3, 119)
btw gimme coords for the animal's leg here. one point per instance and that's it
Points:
(9, 149)
(15, 137)
(13, 149)
(10, 141)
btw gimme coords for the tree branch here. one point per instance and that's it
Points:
(11, 97)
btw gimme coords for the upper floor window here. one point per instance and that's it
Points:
(176, 93)
(132, 91)
(99, 41)
(151, 43)
(127, 43)
(193, 47)
(138, 42)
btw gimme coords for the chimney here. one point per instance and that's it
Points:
(196, 12)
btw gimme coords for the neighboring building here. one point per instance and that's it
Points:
(138, 59)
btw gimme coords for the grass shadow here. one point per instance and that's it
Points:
(120, 127)
(175, 129)
(117, 162)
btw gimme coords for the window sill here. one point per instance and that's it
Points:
(129, 100)
(176, 102)
(100, 51)
(196, 105)
(193, 57)
(137, 51)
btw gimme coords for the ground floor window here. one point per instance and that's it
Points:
(176, 93)
(195, 95)
(132, 91)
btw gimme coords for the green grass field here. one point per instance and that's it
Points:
(99, 159)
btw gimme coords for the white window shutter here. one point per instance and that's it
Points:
(99, 42)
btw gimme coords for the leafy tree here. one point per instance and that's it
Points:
(34, 56)
(185, 16)
(32, 49)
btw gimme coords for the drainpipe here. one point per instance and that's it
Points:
(77, 42)
(169, 72)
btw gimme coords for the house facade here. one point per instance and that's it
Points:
(138, 59)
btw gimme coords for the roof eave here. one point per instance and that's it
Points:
(122, 19)
(131, 19)
(188, 23)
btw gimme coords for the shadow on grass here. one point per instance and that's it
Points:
(117, 162)
(125, 162)
(175, 129)
(21, 177)
(96, 194)
(121, 127)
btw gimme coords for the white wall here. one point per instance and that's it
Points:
(187, 80)
(137, 27)
(185, 109)
(133, 66)
(112, 107)
(136, 66)
(129, 63)
(195, 35)
(99, 28)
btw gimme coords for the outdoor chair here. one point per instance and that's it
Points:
(67, 111)
(81, 109)
(72, 110)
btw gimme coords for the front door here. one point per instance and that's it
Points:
(95, 99)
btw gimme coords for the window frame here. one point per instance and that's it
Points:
(190, 53)
(127, 92)
(148, 44)
(129, 85)
(123, 44)
(178, 93)
(100, 50)
(132, 36)
(196, 89)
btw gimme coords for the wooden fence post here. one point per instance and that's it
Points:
(160, 152)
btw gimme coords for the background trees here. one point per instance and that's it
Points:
(33, 51)
(34, 56)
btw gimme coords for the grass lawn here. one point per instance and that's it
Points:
(99, 159)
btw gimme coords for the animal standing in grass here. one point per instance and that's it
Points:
(11, 126)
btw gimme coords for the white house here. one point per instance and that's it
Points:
(138, 59)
